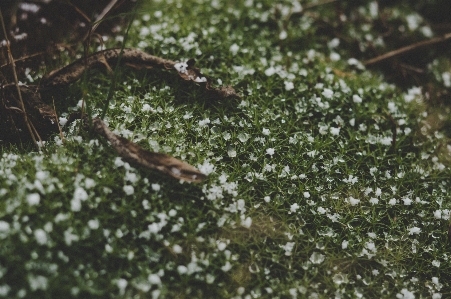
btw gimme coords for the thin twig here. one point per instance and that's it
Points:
(318, 4)
(13, 66)
(409, 48)
(105, 11)
(24, 58)
(98, 20)
(79, 11)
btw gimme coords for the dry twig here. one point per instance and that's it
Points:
(409, 48)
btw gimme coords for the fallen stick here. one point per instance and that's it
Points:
(409, 48)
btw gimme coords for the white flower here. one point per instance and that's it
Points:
(177, 248)
(121, 284)
(328, 93)
(154, 279)
(33, 199)
(226, 267)
(93, 224)
(344, 244)
(182, 269)
(317, 258)
(270, 151)
(4, 228)
(356, 99)
(414, 230)
(129, 190)
(75, 204)
(41, 236)
(288, 248)
(289, 85)
(80, 194)
(222, 246)
(204, 122)
(234, 49)
(335, 131)
(353, 201)
(266, 131)
(156, 187)
(407, 201)
(405, 294)
(63, 121)
(294, 207)
(374, 201)
(247, 222)
(283, 35)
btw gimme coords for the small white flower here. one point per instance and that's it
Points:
(247, 222)
(288, 248)
(294, 207)
(283, 35)
(405, 294)
(63, 121)
(407, 201)
(41, 236)
(289, 85)
(374, 201)
(270, 151)
(222, 246)
(156, 187)
(4, 228)
(353, 201)
(234, 49)
(93, 224)
(335, 131)
(266, 131)
(328, 93)
(177, 248)
(182, 269)
(414, 230)
(33, 199)
(80, 194)
(129, 190)
(357, 99)
(226, 267)
(204, 122)
(321, 210)
(154, 279)
(438, 214)
(317, 258)
(146, 108)
(344, 244)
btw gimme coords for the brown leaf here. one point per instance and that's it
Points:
(135, 154)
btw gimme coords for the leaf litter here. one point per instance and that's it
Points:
(44, 118)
